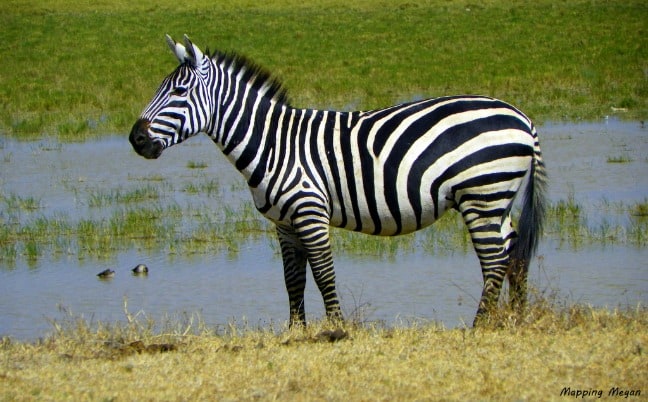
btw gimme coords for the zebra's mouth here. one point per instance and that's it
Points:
(142, 143)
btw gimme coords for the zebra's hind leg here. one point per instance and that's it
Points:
(517, 277)
(493, 279)
(492, 235)
(294, 261)
(517, 270)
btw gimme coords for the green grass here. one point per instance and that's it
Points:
(100, 198)
(209, 187)
(196, 164)
(620, 159)
(640, 209)
(16, 202)
(75, 70)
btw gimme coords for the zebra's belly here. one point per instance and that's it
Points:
(382, 221)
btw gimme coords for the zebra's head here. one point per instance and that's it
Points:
(181, 106)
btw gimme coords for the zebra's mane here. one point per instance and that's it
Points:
(256, 76)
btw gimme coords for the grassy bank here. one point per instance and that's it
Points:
(533, 357)
(74, 69)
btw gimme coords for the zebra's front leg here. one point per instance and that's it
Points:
(294, 261)
(324, 274)
(314, 237)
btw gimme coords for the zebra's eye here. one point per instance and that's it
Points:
(179, 91)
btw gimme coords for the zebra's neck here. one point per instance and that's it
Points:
(260, 136)
(267, 139)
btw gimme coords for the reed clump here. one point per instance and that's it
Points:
(640, 210)
(101, 198)
(144, 218)
(533, 356)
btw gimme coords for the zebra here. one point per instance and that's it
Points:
(382, 172)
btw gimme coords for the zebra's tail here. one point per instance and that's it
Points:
(534, 204)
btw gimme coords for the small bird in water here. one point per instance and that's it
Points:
(105, 274)
(140, 269)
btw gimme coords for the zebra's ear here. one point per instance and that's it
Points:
(194, 55)
(178, 50)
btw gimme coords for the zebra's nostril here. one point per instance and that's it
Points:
(140, 138)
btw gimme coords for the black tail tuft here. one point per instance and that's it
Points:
(531, 223)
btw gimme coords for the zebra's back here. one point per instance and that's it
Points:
(396, 170)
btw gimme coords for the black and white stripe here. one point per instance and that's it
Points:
(383, 172)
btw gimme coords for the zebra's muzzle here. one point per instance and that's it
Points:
(142, 143)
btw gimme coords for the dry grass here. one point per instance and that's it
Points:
(533, 357)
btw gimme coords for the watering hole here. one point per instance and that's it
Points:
(72, 210)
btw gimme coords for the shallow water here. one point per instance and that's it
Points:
(247, 285)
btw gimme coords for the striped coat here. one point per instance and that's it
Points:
(383, 172)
